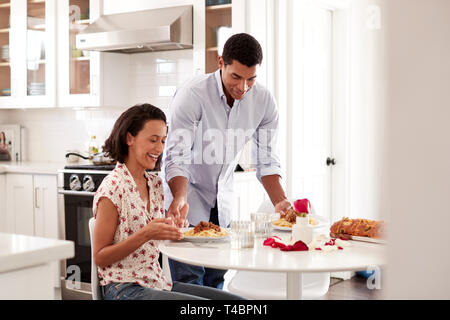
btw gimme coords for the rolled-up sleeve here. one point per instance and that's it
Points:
(185, 114)
(264, 143)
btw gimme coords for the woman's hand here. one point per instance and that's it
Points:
(162, 229)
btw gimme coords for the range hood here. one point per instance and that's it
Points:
(140, 31)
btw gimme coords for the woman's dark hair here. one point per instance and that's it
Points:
(243, 48)
(132, 121)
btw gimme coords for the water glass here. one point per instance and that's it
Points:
(242, 234)
(262, 224)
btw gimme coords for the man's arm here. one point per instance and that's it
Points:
(185, 113)
(268, 169)
(178, 187)
(272, 185)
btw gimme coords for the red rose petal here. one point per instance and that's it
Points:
(300, 246)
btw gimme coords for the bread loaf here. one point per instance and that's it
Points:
(359, 227)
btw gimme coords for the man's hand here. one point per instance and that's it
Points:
(282, 206)
(178, 211)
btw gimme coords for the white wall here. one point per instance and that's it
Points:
(50, 132)
(418, 157)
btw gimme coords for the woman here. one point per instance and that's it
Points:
(129, 212)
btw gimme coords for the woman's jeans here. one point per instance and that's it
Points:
(180, 291)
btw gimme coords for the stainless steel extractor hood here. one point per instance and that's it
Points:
(140, 31)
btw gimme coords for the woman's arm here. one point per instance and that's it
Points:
(106, 253)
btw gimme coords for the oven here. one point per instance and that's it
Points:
(76, 188)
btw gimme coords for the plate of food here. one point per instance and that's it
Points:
(205, 232)
(285, 223)
(360, 230)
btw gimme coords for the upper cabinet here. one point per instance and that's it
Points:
(40, 65)
(218, 28)
(87, 78)
(5, 61)
(216, 21)
(27, 43)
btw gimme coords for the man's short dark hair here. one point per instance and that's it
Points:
(243, 48)
(132, 121)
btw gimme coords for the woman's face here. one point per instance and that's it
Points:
(148, 144)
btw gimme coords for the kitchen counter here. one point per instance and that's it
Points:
(27, 265)
(20, 251)
(31, 167)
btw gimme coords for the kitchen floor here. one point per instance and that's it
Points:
(352, 289)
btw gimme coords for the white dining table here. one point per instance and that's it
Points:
(220, 255)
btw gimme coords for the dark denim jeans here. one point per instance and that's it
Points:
(188, 273)
(180, 291)
(202, 276)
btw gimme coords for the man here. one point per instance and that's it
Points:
(212, 117)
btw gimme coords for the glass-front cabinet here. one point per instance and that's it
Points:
(5, 66)
(218, 28)
(87, 78)
(27, 44)
(79, 72)
(35, 48)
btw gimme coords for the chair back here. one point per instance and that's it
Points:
(95, 287)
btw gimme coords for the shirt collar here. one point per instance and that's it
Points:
(218, 77)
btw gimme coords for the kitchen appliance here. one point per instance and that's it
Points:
(141, 31)
(12, 144)
(77, 185)
(97, 159)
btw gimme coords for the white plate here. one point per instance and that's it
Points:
(322, 223)
(204, 239)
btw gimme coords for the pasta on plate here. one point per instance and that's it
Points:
(206, 229)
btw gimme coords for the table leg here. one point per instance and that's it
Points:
(294, 285)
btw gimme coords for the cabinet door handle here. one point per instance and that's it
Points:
(36, 198)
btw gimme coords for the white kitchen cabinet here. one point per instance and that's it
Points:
(31, 205)
(87, 78)
(32, 209)
(19, 204)
(45, 206)
(28, 68)
(40, 66)
(2, 202)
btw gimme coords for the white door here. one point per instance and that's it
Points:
(19, 204)
(310, 141)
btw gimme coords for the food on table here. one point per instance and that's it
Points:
(206, 229)
(358, 227)
(289, 218)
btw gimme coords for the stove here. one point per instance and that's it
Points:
(106, 167)
(77, 185)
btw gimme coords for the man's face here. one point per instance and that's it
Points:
(237, 78)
